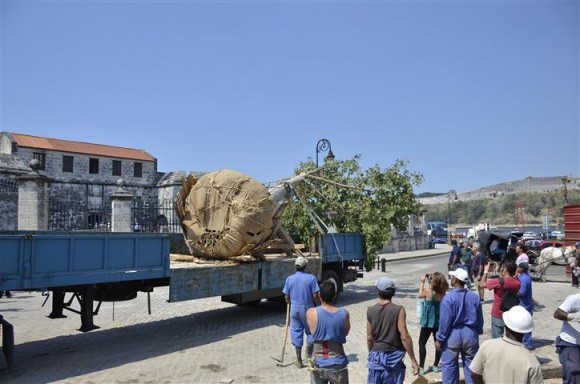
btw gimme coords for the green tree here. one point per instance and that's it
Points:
(365, 201)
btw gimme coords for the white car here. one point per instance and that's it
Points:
(529, 236)
(558, 235)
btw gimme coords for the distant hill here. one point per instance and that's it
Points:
(527, 185)
(498, 204)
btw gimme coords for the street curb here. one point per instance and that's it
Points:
(397, 256)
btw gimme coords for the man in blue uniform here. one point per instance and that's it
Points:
(460, 324)
(301, 292)
(329, 326)
(526, 299)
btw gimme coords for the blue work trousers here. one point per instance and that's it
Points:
(298, 325)
(465, 341)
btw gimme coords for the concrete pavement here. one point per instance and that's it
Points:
(208, 341)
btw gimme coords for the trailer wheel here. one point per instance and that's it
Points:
(331, 275)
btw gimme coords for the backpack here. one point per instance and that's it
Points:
(508, 300)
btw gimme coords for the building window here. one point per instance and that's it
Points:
(41, 157)
(93, 165)
(116, 167)
(67, 163)
(138, 170)
(14, 147)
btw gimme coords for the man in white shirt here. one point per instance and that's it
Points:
(568, 341)
(506, 360)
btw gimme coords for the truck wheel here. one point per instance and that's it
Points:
(329, 274)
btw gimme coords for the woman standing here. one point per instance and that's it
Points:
(430, 319)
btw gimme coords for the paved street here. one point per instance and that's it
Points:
(207, 341)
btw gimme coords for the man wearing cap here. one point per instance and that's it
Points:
(568, 341)
(525, 296)
(506, 360)
(460, 324)
(388, 338)
(301, 292)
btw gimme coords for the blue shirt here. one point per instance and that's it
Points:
(456, 251)
(459, 308)
(301, 287)
(525, 293)
(330, 327)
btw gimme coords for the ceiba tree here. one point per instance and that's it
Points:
(361, 201)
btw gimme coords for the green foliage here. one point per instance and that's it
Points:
(377, 199)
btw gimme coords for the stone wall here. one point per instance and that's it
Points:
(54, 168)
(413, 238)
(8, 207)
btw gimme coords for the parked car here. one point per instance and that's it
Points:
(558, 235)
(529, 236)
(534, 244)
(460, 232)
(431, 225)
(557, 244)
(439, 232)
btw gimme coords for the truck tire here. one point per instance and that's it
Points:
(330, 274)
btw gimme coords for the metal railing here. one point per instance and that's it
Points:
(155, 217)
(66, 216)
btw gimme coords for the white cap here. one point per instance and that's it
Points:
(460, 274)
(518, 319)
(301, 262)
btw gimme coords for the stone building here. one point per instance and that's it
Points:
(82, 177)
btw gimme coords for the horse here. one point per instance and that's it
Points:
(549, 255)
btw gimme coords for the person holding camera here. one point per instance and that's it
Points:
(430, 319)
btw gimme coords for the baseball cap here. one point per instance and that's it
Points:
(577, 245)
(460, 274)
(518, 319)
(301, 262)
(385, 283)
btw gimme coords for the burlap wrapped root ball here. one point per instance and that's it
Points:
(228, 213)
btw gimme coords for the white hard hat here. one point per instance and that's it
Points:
(518, 319)
(460, 274)
(301, 262)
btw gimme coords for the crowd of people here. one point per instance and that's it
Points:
(454, 317)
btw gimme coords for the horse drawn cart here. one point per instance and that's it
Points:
(499, 246)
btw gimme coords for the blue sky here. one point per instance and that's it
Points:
(470, 93)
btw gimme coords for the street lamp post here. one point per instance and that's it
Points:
(452, 194)
(323, 145)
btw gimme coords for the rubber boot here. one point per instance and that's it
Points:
(309, 349)
(298, 362)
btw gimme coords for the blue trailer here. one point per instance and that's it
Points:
(101, 267)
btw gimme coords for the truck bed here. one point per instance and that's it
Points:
(191, 280)
(44, 260)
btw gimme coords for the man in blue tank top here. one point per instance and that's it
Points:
(329, 326)
(301, 292)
